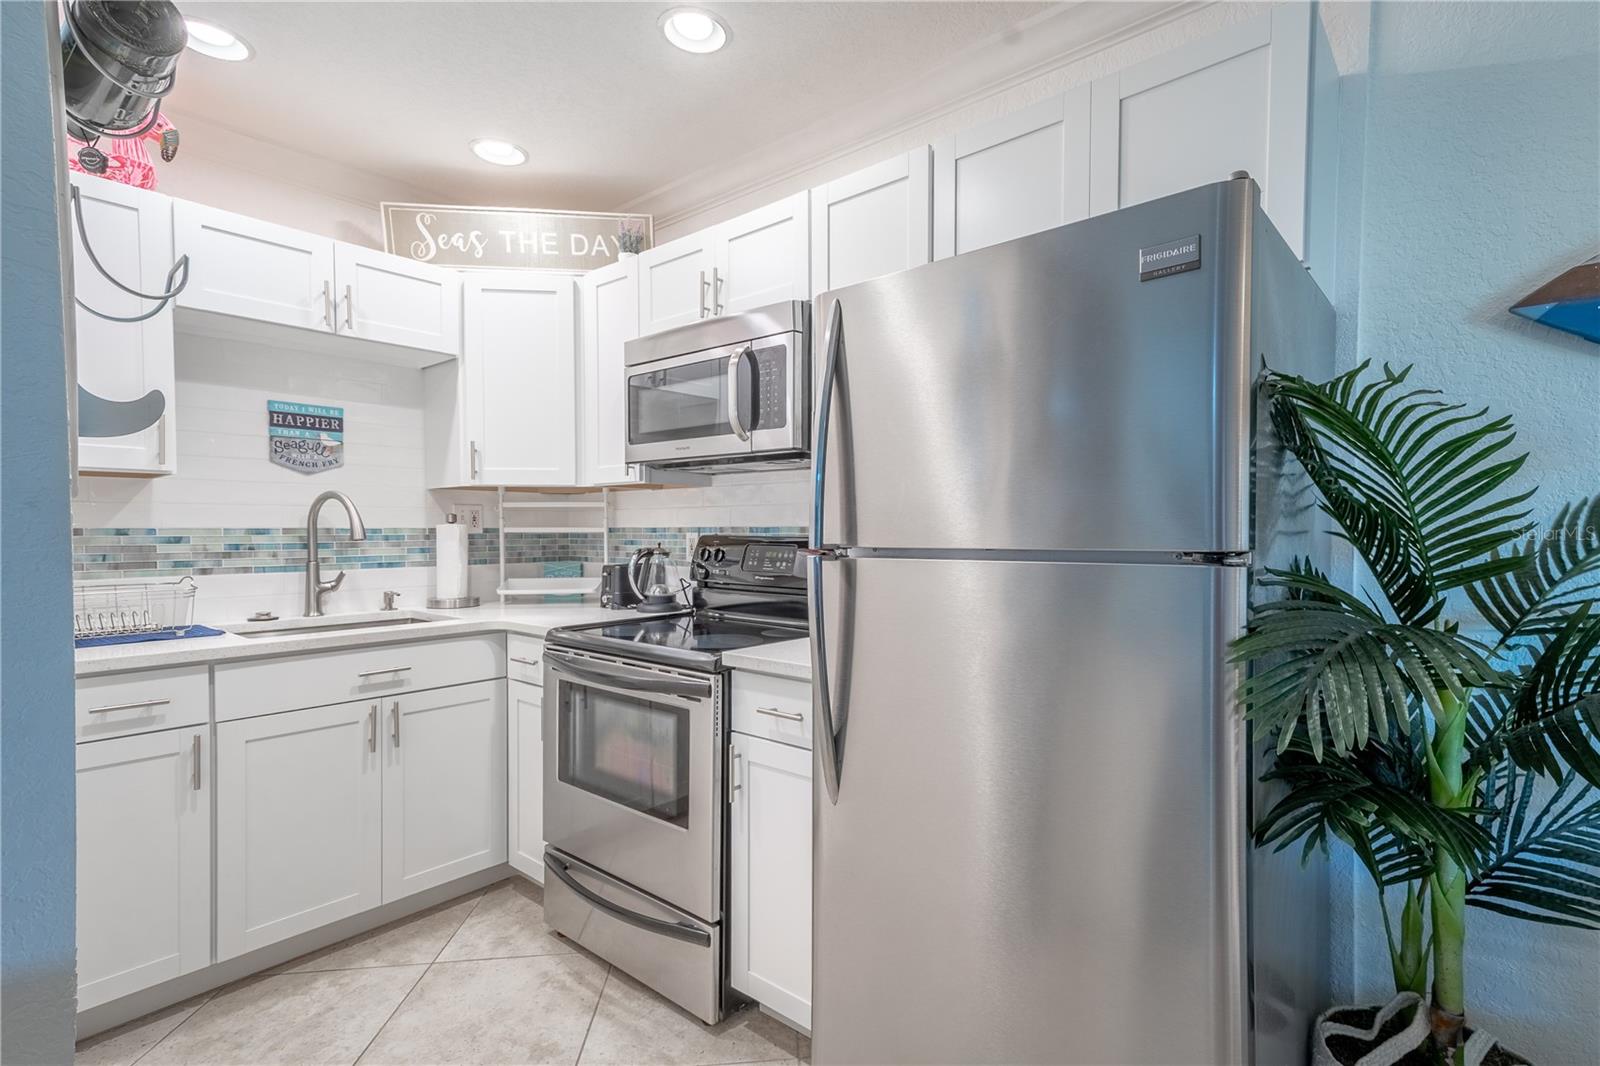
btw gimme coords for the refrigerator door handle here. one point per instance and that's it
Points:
(829, 749)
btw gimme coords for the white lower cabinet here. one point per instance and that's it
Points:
(299, 822)
(769, 909)
(525, 778)
(144, 861)
(444, 786)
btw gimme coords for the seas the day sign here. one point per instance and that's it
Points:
(304, 436)
(507, 237)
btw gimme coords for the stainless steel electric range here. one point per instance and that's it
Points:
(635, 760)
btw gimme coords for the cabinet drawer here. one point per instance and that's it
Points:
(117, 705)
(263, 687)
(525, 659)
(778, 708)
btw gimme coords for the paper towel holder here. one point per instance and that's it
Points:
(452, 603)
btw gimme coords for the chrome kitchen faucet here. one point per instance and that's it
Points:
(315, 586)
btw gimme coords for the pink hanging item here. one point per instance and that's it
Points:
(127, 159)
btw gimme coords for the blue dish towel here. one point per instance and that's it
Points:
(139, 638)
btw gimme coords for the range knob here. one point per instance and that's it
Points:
(719, 555)
(705, 554)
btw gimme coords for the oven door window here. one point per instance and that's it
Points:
(626, 749)
(686, 402)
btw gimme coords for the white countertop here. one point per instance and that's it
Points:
(792, 658)
(530, 620)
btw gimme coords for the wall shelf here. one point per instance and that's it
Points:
(512, 588)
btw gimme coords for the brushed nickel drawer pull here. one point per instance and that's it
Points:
(372, 728)
(526, 662)
(793, 716)
(194, 774)
(394, 718)
(390, 670)
(135, 705)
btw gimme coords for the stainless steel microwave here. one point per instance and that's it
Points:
(728, 390)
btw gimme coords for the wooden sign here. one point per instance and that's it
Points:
(508, 237)
(304, 436)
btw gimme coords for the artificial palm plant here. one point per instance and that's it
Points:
(1458, 761)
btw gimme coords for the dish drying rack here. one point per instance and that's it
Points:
(117, 608)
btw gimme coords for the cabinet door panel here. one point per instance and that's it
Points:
(770, 904)
(525, 767)
(609, 306)
(130, 231)
(444, 786)
(247, 268)
(299, 815)
(675, 282)
(1015, 175)
(763, 257)
(394, 300)
(521, 379)
(873, 222)
(1236, 100)
(144, 861)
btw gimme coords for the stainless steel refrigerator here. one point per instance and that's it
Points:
(1042, 492)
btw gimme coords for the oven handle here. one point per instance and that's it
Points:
(676, 930)
(669, 685)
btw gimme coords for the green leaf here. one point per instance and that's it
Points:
(1560, 573)
(1546, 869)
(1413, 482)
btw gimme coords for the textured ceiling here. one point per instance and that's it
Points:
(607, 109)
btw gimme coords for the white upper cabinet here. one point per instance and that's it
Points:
(144, 861)
(444, 785)
(519, 378)
(525, 778)
(675, 282)
(299, 822)
(130, 231)
(393, 300)
(873, 222)
(763, 257)
(245, 268)
(1013, 175)
(608, 303)
(759, 258)
(1237, 100)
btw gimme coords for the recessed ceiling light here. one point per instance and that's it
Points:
(212, 40)
(694, 30)
(500, 153)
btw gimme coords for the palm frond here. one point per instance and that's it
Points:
(1390, 822)
(1547, 868)
(1413, 482)
(1323, 656)
(1549, 721)
(1560, 574)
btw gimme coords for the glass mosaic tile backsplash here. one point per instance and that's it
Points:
(99, 554)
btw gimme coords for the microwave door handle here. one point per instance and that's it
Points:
(830, 746)
(676, 930)
(667, 685)
(736, 420)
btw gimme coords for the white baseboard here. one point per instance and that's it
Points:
(97, 1020)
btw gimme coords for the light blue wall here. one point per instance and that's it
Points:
(1470, 174)
(37, 853)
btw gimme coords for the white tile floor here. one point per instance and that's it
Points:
(479, 979)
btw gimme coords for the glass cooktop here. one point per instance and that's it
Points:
(693, 639)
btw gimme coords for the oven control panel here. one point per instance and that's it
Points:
(725, 559)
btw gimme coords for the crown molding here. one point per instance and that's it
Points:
(1038, 46)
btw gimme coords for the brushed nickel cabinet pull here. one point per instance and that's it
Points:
(793, 716)
(372, 728)
(394, 721)
(390, 670)
(704, 285)
(194, 772)
(327, 303)
(349, 310)
(135, 705)
(733, 774)
(525, 662)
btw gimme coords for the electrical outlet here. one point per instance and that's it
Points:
(470, 515)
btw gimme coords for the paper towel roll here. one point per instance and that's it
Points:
(450, 560)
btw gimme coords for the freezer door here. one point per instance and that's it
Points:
(1037, 395)
(1035, 853)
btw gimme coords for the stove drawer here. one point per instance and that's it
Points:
(777, 708)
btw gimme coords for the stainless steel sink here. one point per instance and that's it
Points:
(308, 626)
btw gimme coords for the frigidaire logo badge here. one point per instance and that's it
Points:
(1174, 257)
